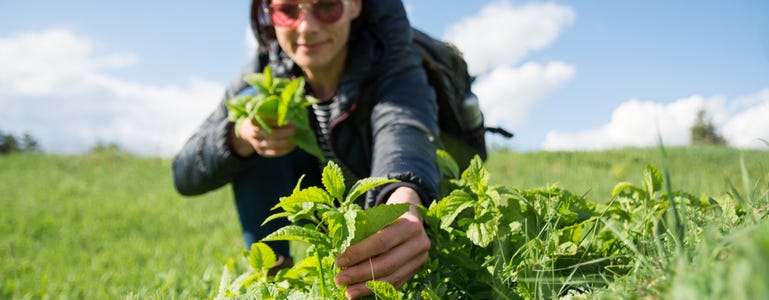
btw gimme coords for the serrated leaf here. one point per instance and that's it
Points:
(293, 202)
(333, 180)
(453, 205)
(279, 215)
(567, 249)
(483, 233)
(374, 219)
(340, 229)
(383, 290)
(261, 257)
(362, 186)
(447, 164)
(476, 176)
(623, 186)
(300, 234)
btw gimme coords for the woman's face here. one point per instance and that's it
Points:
(315, 44)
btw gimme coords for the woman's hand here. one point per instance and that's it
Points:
(394, 254)
(267, 144)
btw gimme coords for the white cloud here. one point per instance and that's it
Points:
(637, 123)
(507, 94)
(494, 42)
(502, 34)
(56, 88)
(751, 123)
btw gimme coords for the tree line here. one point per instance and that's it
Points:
(10, 143)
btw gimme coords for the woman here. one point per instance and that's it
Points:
(377, 118)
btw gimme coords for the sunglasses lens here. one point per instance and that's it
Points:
(328, 11)
(288, 14)
(284, 15)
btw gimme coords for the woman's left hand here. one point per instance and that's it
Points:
(394, 254)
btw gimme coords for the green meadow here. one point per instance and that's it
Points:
(109, 225)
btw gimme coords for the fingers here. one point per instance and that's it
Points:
(380, 242)
(396, 253)
(398, 278)
(269, 143)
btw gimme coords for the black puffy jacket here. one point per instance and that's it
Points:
(384, 126)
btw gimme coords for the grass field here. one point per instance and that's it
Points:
(110, 225)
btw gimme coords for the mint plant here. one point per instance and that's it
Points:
(332, 221)
(281, 99)
(489, 241)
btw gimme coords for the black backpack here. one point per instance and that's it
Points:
(459, 116)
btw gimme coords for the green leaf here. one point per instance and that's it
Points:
(257, 80)
(477, 176)
(333, 180)
(361, 186)
(567, 249)
(447, 164)
(286, 101)
(300, 234)
(652, 180)
(483, 233)
(453, 205)
(276, 216)
(268, 107)
(341, 227)
(305, 139)
(626, 186)
(374, 219)
(236, 107)
(267, 82)
(261, 257)
(383, 290)
(293, 202)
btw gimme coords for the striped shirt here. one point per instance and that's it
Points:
(322, 112)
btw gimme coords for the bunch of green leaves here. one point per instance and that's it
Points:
(537, 243)
(332, 221)
(280, 99)
(494, 242)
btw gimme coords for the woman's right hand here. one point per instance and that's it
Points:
(267, 144)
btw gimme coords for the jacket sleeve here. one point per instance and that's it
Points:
(404, 122)
(206, 161)
(404, 130)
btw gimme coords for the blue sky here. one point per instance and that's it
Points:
(563, 75)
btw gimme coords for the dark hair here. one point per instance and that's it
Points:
(261, 24)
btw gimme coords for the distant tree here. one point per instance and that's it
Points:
(8, 143)
(704, 132)
(29, 143)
